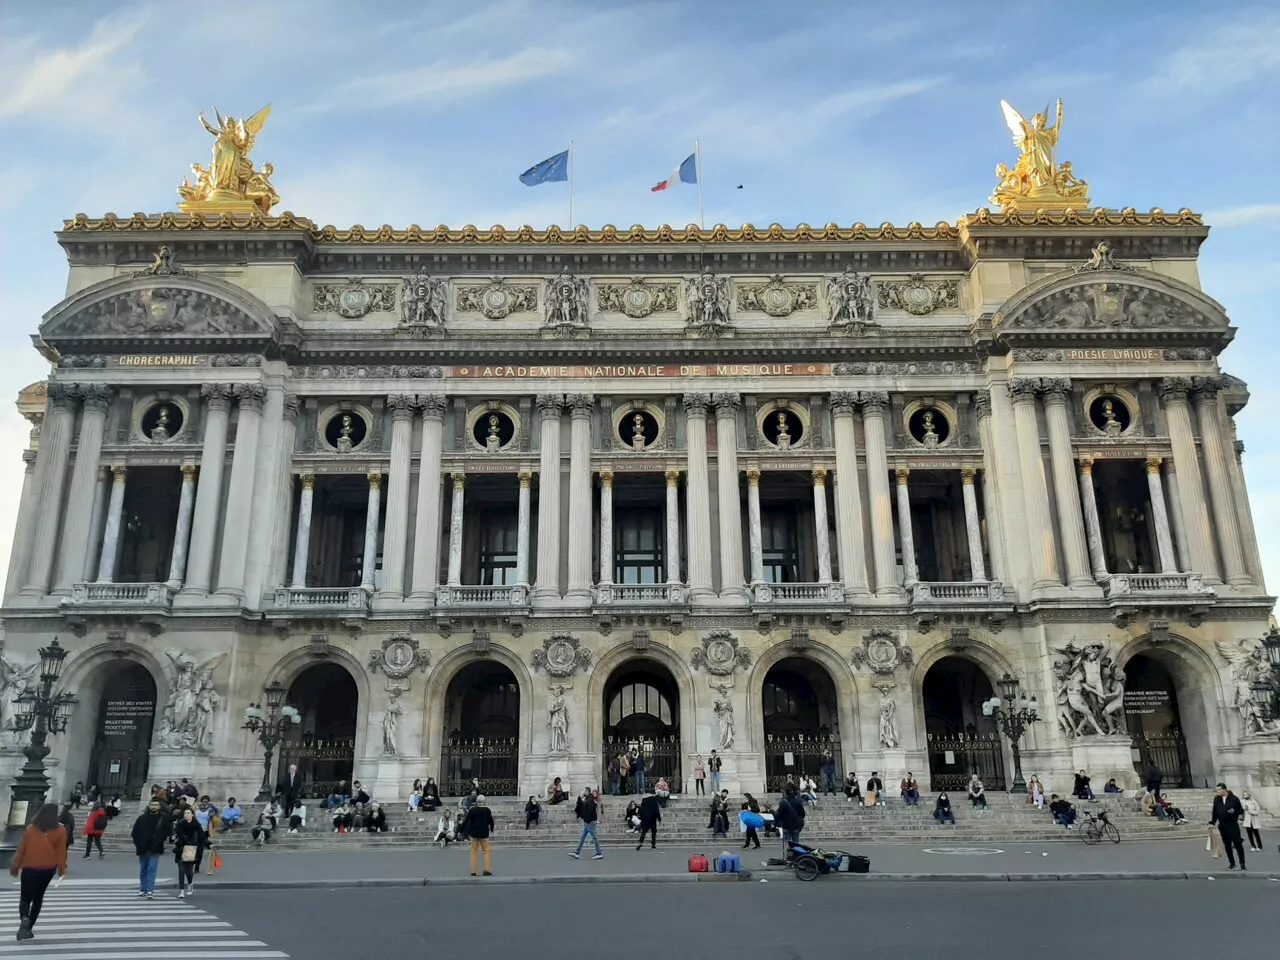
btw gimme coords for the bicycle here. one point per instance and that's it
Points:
(1095, 827)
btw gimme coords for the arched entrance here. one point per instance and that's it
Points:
(961, 740)
(642, 711)
(122, 732)
(482, 717)
(801, 721)
(326, 696)
(1156, 721)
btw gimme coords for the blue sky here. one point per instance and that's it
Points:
(845, 111)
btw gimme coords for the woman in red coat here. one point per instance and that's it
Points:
(94, 827)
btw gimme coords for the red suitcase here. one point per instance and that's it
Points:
(698, 863)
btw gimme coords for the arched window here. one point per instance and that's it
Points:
(639, 698)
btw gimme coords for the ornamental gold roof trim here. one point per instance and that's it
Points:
(665, 234)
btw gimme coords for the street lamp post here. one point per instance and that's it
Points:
(271, 725)
(42, 712)
(1013, 718)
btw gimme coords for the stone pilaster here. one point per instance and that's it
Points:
(1215, 457)
(1164, 539)
(673, 526)
(546, 588)
(990, 487)
(910, 574)
(873, 406)
(28, 513)
(111, 534)
(101, 490)
(822, 535)
(268, 466)
(76, 529)
(754, 538)
(426, 530)
(606, 526)
(397, 526)
(282, 548)
(729, 498)
(369, 565)
(1065, 486)
(849, 528)
(236, 521)
(1035, 490)
(1092, 527)
(973, 525)
(182, 531)
(697, 497)
(581, 407)
(50, 480)
(1174, 513)
(523, 525)
(302, 541)
(456, 513)
(1191, 495)
(213, 458)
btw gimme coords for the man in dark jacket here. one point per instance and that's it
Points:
(150, 834)
(1227, 811)
(828, 772)
(788, 817)
(1154, 776)
(290, 787)
(477, 825)
(650, 815)
(636, 769)
(586, 812)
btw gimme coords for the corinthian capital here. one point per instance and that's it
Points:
(696, 404)
(982, 400)
(843, 402)
(873, 401)
(250, 395)
(580, 404)
(402, 405)
(60, 394)
(1174, 389)
(433, 405)
(549, 404)
(95, 396)
(726, 404)
(1206, 388)
(1055, 388)
(218, 395)
(1023, 388)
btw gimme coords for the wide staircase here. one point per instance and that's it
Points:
(833, 820)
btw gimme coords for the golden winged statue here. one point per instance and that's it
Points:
(1037, 181)
(230, 184)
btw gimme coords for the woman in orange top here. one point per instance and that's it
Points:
(42, 852)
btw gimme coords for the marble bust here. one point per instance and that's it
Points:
(493, 442)
(930, 437)
(784, 432)
(345, 443)
(160, 432)
(637, 432)
(1111, 426)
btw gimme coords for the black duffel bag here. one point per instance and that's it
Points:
(858, 864)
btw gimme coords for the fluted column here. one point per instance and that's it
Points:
(182, 531)
(1225, 519)
(673, 526)
(1172, 501)
(873, 404)
(697, 496)
(302, 542)
(426, 529)
(95, 398)
(213, 457)
(1065, 486)
(1191, 496)
(910, 575)
(1248, 532)
(754, 538)
(853, 564)
(397, 532)
(1164, 540)
(581, 406)
(369, 565)
(973, 525)
(822, 533)
(111, 534)
(28, 512)
(547, 585)
(523, 510)
(730, 499)
(101, 490)
(50, 479)
(235, 525)
(282, 547)
(990, 487)
(456, 505)
(1035, 491)
(606, 526)
(1092, 528)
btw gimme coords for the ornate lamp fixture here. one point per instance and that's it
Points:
(1013, 716)
(270, 725)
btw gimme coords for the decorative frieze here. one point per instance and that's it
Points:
(777, 298)
(637, 299)
(497, 300)
(368, 372)
(881, 652)
(907, 368)
(917, 296)
(353, 299)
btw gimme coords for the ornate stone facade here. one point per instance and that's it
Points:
(864, 475)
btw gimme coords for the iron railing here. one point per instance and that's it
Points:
(492, 761)
(796, 755)
(661, 759)
(954, 758)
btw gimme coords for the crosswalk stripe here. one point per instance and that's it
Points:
(11, 925)
(53, 933)
(191, 953)
(42, 948)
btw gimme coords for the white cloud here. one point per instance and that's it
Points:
(1239, 216)
(1229, 55)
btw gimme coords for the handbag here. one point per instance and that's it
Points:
(871, 798)
(189, 854)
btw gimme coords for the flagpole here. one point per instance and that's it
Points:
(697, 164)
(570, 224)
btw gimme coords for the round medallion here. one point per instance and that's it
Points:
(559, 655)
(918, 299)
(636, 301)
(353, 302)
(399, 654)
(720, 652)
(776, 301)
(496, 299)
(882, 653)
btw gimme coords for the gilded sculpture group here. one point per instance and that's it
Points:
(231, 184)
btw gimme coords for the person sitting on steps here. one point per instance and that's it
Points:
(1175, 814)
(342, 817)
(910, 790)
(942, 810)
(376, 822)
(1081, 790)
(430, 795)
(445, 832)
(532, 810)
(977, 793)
(1064, 814)
(851, 789)
(556, 792)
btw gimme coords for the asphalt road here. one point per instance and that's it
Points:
(782, 920)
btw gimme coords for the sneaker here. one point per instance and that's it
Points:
(488, 874)
(575, 856)
(473, 874)
(141, 894)
(182, 894)
(151, 895)
(598, 856)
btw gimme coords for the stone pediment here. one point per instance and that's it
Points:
(168, 309)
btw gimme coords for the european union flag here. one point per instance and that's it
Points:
(548, 171)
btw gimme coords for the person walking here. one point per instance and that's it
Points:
(650, 817)
(477, 825)
(94, 826)
(699, 776)
(68, 821)
(588, 813)
(1252, 811)
(41, 853)
(150, 833)
(189, 840)
(713, 767)
(788, 817)
(751, 821)
(1227, 814)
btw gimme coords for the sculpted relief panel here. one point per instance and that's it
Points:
(159, 310)
(1111, 305)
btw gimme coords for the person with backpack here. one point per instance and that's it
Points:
(789, 818)
(41, 853)
(95, 825)
(587, 812)
(150, 834)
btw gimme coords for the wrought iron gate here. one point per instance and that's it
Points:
(1169, 751)
(794, 755)
(953, 758)
(321, 763)
(493, 761)
(661, 759)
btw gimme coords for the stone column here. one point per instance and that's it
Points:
(547, 585)
(182, 532)
(973, 525)
(28, 512)
(50, 478)
(1248, 532)
(1092, 527)
(111, 535)
(873, 405)
(1164, 540)
(697, 497)
(1191, 500)
(1225, 518)
(1035, 491)
(606, 526)
(455, 528)
(282, 548)
(673, 526)
(905, 534)
(426, 530)
(853, 565)
(213, 457)
(581, 406)
(991, 487)
(1065, 487)
(1173, 511)
(729, 498)
(101, 490)
(370, 562)
(302, 541)
(522, 527)
(397, 525)
(235, 526)
(74, 551)
(822, 535)
(753, 525)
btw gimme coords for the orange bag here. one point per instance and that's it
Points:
(217, 861)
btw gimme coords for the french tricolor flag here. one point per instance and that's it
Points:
(687, 172)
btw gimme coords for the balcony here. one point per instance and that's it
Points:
(92, 597)
(960, 593)
(336, 601)
(482, 596)
(631, 595)
(1156, 586)
(797, 594)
